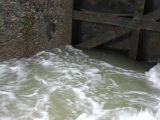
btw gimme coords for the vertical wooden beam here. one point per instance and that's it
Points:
(138, 14)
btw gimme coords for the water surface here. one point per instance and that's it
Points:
(69, 84)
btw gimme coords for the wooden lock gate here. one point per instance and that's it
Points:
(125, 23)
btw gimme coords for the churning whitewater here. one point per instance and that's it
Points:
(69, 84)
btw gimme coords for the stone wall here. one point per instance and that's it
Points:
(30, 26)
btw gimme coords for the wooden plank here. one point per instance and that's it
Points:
(153, 16)
(150, 25)
(116, 21)
(103, 38)
(104, 19)
(139, 9)
(102, 13)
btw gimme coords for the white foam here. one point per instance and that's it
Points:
(142, 115)
(154, 75)
(10, 95)
(95, 110)
(6, 118)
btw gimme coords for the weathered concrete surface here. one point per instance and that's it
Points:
(30, 26)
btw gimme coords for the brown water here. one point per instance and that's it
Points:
(69, 84)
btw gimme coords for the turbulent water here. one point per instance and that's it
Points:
(69, 84)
